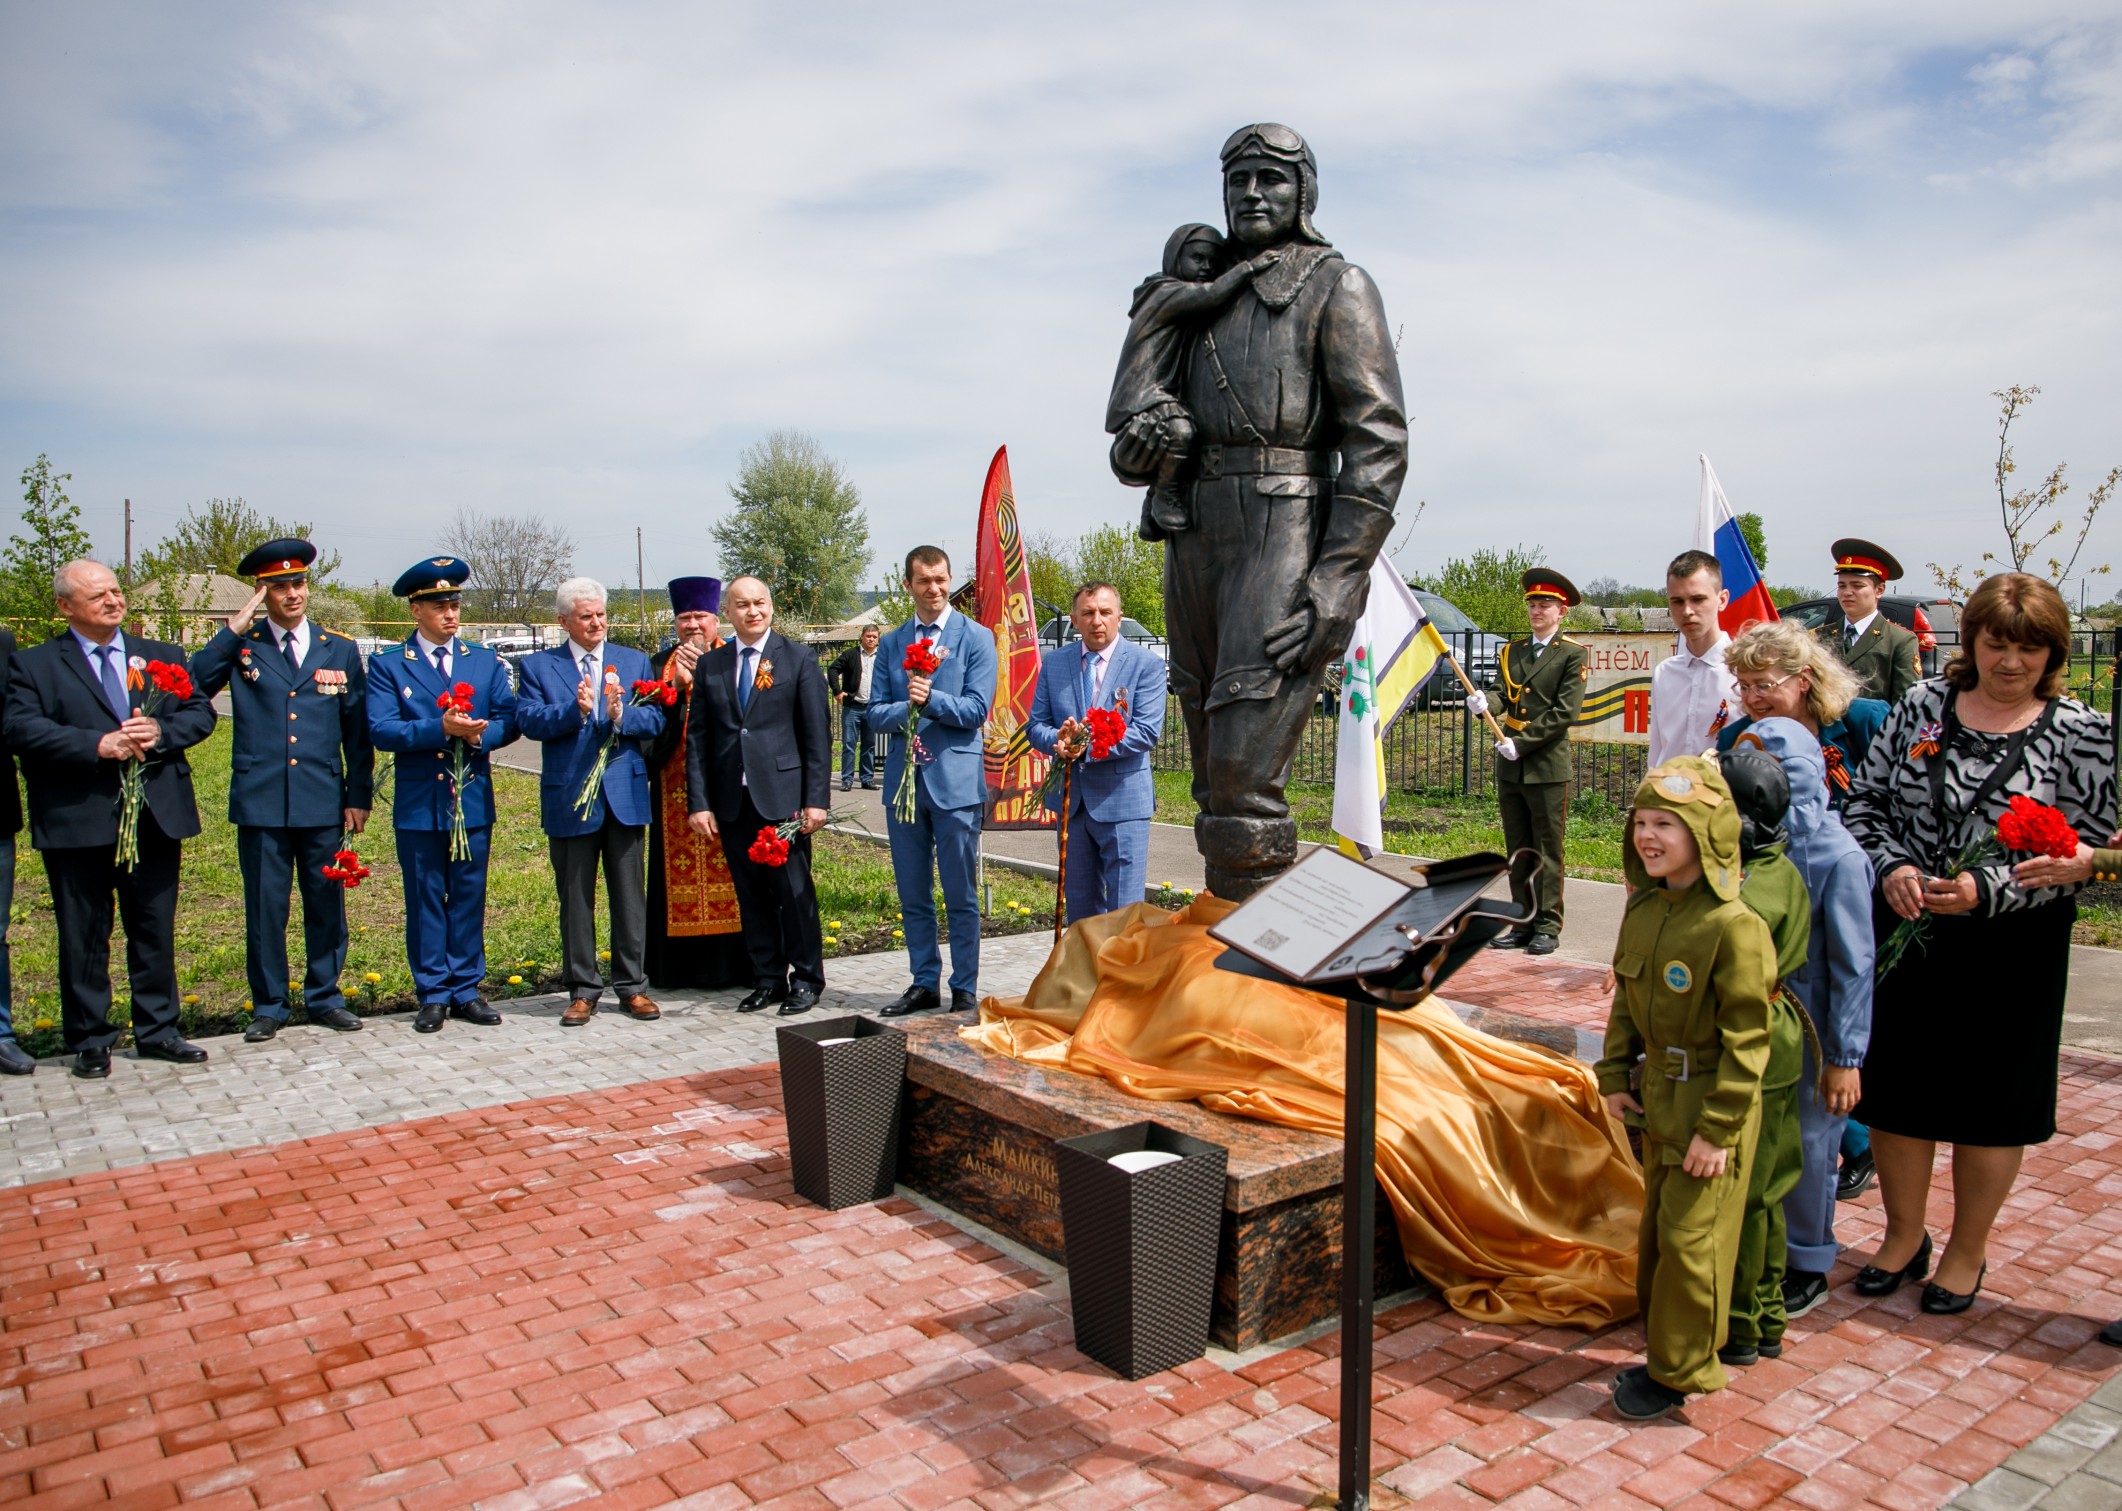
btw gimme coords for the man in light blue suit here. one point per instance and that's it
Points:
(570, 698)
(950, 781)
(1112, 798)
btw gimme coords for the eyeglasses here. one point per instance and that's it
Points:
(1762, 689)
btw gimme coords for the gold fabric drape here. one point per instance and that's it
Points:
(1513, 1191)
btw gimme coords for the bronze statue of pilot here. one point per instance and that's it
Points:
(1280, 434)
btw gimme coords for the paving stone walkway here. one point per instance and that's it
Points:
(513, 1268)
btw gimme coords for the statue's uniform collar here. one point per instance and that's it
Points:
(1279, 286)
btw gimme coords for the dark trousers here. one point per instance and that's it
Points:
(274, 862)
(853, 739)
(779, 907)
(7, 910)
(83, 882)
(445, 914)
(1533, 813)
(621, 848)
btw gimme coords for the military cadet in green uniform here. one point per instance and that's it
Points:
(1887, 659)
(1692, 972)
(1542, 677)
(1775, 890)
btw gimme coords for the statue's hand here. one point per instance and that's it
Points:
(1140, 445)
(1320, 628)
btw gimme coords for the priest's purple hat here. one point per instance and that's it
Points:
(695, 595)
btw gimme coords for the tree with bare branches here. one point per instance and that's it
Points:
(2032, 517)
(516, 560)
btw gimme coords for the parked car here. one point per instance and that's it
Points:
(1058, 631)
(1936, 621)
(1475, 647)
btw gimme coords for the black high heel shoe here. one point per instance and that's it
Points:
(1873, 1281)
(1940, 1302)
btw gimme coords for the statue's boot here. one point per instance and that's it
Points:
(1242, 855)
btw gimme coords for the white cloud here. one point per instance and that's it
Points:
(363, 263)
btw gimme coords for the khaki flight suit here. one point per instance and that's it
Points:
(1542, 696)
(1693, 970)
(1775, 890)
(1887, 659)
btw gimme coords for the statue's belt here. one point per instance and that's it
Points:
(1257, 461)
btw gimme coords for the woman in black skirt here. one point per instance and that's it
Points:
(1967, 1027)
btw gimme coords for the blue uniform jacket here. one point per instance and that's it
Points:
(302, 754)
(1119, 787)
(403, 719)
(954, 776)
(546, 712)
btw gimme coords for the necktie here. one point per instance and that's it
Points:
(589, 669)
(441, 670)
(294, 660)
(1093, 677)
(1849, 634)
(744, 681)
(1532, 654)
(113, 684)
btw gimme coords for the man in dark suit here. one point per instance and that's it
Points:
(850, 680)
(74, 719)
(570, 698)
(14, 1061)
(759, 754)
(445, 890)
(302, 778)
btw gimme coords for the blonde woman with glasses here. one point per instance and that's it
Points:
(1784, 673)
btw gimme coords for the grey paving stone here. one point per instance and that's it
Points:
(2051, 1457)
(2001, 1490)
(310, 1080)
(2081, 1492)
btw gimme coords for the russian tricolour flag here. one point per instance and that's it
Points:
(1717, 532)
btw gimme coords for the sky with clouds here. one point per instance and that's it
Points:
(365, 264)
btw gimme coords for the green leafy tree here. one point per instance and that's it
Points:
(217, 535)
(798, 525)
(1755, 535)
(1051, 563)
(51, 537)
(1485, 586)
(1116, 554)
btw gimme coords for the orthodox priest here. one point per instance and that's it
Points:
(694, 936)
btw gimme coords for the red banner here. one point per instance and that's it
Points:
(1003, 588)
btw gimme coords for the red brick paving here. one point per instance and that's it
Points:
(615, 1299)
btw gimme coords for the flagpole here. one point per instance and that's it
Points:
(1061, 868)
(1493, 727)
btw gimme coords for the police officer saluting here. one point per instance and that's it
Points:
(445, 896)
(1887, 659)
(1543, 676)
(302, 778)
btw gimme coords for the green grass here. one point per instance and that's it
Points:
(854, 880)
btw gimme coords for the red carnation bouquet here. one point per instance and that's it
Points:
(347, 870)
(1104, 729)
(924, 658)
(159, 683)
(2026, 827)
(646, 694)
(770, 847)
(458, 700)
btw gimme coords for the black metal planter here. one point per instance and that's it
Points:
(1141, 1246)
(842, 1101)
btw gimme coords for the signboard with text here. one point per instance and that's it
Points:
(1617, 693)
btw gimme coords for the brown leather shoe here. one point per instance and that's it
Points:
(640, 1007)
(578, 1012)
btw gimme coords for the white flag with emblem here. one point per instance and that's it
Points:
(1393, 652)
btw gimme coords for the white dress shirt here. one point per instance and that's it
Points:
(1851, 633)
(1095, 665)
(594, 655)
(301, 634)
(869, 662)
(1688, 694)
(758, 650)
(933, 631)
(427, 649)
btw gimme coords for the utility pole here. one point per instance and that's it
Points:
(128, 544)
(641, 595)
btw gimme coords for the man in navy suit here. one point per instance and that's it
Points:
(758, 753)
(73, 720)
(445, 898)
(14, 1060)
(950, 781)
(571, 698)
(1111, 798)
(302, 777)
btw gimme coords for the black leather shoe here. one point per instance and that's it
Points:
(92, 1064)
(1543, 944)
(429, 1019)
(1855, 1177)
(173, 1049)
(2111, 1335)
(14, 1060)
(800, 1000)
(476, 1012)
(964, 1002)
(1642, 1399)
(1802, 1291)
(847, 786)
(1873, 1281)
(260, 1030)
(1511, 939)
(762, 996)
(1940, 1302)
(872, 786)
(915, 999)
(337, 1018)
(1739, 1355)
(1770, 1350)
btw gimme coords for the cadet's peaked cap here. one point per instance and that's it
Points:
(696, 595)
(276, 559)
(1545, 582)
(437, 577)
(1854, 555)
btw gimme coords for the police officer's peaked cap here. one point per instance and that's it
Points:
(438, 577)
(1854, 555)
(278, 559)
(1545, 582)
